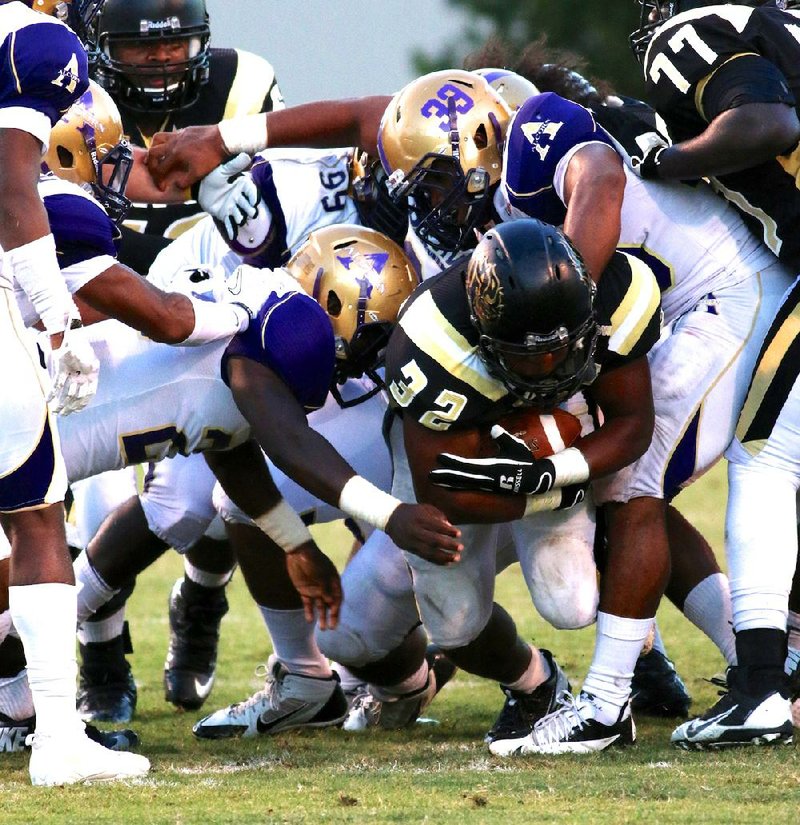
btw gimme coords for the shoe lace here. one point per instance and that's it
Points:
(558, 725)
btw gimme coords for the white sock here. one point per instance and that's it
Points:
(92, 591)
(204, 578)
(760, 544)
(349, 681)
(44, 615)
(617, 647)
(538, 671)
(708, 607)
(16, 701)
(103, 631)
(293, 642)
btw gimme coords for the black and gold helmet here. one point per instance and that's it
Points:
(440, 142)
(153, 86)
(529, 294)
(361, 278)
(88, 147)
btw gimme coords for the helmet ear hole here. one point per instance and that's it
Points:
(65, 157)
(333, 305)
(480, 137)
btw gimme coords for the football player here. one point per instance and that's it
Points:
(45, 73)
(296, 193)
(516, 323)
(723, 78)
(155, 60)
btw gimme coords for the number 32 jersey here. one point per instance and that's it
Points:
(433, 367)
(704, 62)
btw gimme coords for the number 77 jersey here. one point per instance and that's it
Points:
(704, 62)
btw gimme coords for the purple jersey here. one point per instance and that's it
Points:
(44, 70)
(292, 335)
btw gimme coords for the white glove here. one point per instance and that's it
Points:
(230, 195)
(74, 369)
(249, 286)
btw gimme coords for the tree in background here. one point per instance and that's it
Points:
(596, 31)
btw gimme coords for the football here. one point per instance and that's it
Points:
(544, 433)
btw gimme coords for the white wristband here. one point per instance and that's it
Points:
(284, 527)
(35, 268)
(213, 322)
(247, 133)
(571, 467)
(363, 500)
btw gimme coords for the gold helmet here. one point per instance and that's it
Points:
(512, 87)
(78, 14)
(441, 143)
(361, 278)
(88, 147)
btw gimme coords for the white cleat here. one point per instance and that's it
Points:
(74, 758)
(288, 700)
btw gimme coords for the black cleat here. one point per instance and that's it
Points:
(522, 710)
(114, 740)
(195, 614)
(656, 689)
(739, 718)
(106, 692)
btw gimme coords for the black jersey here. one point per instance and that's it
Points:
(704, 62)
(433, 367)
(239, 83)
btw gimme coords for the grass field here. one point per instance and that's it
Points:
(434, 773)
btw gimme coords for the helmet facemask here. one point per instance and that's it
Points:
(144, 82)
(653, 15)
(446, 205)
(87, 147)
(575, 370)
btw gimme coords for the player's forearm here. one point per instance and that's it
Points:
(141, 187)
(737, 139)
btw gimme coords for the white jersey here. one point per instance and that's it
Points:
(303, 191)
(154, 401)
(694, 242)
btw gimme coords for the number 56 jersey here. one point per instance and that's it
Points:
(704, 62)
(154, 401)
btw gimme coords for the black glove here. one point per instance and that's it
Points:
(646, 166)
(514, 471)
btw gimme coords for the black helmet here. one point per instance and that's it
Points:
(529, 294)
(152, 87)
(656, 12)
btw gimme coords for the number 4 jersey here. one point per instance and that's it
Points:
(704, 62)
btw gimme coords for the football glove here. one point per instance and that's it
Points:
(646, 164)
(515, 470)
(230, 195)
(74, 370)
(249, 286)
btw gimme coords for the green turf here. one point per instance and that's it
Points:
(435, 774)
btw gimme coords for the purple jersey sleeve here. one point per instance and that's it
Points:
(292, 335)
(44, 68)
(543, 130)
(81, 228)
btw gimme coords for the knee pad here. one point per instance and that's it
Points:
(349, 647)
